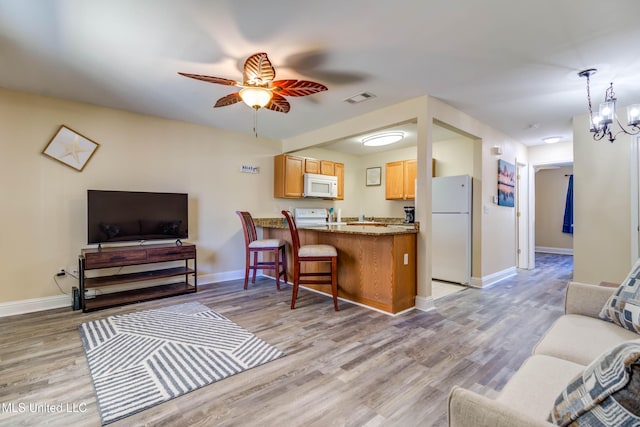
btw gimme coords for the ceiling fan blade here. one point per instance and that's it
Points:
(297, 87)
(258, 69)
(279, 104)
(211, 79)
(228, 100)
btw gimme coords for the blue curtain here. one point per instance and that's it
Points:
(567, 225)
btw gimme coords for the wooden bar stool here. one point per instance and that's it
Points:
(312, 253)
(254, 246)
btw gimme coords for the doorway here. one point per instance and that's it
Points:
(551, 187)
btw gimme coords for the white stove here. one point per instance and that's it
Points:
(310, 216)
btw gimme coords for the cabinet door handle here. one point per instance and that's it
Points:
(118, 258)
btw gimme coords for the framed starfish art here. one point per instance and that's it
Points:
(71, 148)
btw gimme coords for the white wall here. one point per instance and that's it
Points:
(454, 157)
(543, 154)
(602, 209)
(44, 201)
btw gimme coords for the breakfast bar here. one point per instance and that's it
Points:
(376, 261)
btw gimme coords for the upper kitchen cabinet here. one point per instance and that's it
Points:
(327, 167)
(288, 174)
(400, 180)
(339, 172)
(312, 166)
(289, 170)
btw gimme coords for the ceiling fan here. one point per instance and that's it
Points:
(258, 87)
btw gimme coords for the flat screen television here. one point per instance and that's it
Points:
(126, 216)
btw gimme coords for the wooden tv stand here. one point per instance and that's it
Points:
(121, 256)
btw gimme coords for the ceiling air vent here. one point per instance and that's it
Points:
(355, 99)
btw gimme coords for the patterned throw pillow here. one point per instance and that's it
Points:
(607, 393)
(623, 307)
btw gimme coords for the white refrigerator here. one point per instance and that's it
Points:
(451, 230)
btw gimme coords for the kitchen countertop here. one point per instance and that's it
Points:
(380, 226)
(364, 229)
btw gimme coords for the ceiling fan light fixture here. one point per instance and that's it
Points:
(384, 138)
(255, 96)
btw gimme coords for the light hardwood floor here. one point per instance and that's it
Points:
(356, 367)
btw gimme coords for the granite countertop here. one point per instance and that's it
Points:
(364, 229)
(379, 226)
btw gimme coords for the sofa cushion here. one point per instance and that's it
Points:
(607, 392)
(581, 339)
(623, 307)
(534, 387)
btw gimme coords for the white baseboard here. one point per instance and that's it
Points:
(557, 251)
(424, 303)
(225, 276)
(492, 279)
(13, 308)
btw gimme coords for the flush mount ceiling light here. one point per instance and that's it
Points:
(601, 125)
(384, 138)
(551, 139)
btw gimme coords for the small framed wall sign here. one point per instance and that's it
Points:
(70, 148)
(373, 176)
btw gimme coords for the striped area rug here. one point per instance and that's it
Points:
(142, 359)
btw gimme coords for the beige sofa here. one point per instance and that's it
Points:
(571, 343)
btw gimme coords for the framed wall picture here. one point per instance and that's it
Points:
(506, 183)
(374, 176)
(70, 148)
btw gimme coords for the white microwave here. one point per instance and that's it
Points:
(323, 186)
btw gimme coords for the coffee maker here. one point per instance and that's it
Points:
(409, 214)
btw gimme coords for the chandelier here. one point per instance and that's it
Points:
(601, 125)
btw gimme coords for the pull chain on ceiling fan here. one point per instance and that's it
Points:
(259, 89)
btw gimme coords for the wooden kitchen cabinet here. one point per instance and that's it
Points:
(339, 172)
(289, 170)
(410, 175)
(327, 167)
(312, 165)
(288, 174)
(400, 178)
